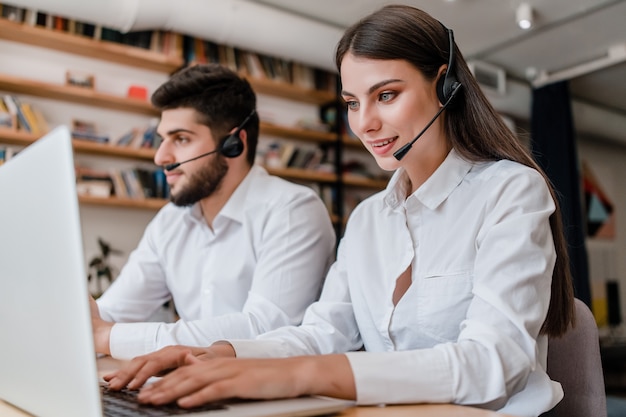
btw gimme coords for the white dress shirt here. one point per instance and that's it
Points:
(259, 268)
(478, 238)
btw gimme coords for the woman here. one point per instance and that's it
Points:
(446, 284)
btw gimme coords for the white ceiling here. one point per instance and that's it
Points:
(566, 33)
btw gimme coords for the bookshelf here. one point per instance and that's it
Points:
(98, 49)
(74, 94)
(166, 63)
(20, 138)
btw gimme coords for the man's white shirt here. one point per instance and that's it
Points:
(258, 268)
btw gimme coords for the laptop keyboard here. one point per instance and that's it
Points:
(124, 404)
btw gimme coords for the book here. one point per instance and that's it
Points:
(147, 182)
(139, 39)
(14, 106)
(13, 13)
(42, 19)
(92, 137)
(315, 159)
(61, 23)
(29, 114)
(287, 152)
(40, 120)
(88, 29)
(6, 153)
(133, 186)
(30, 17)
(161, 189)
(95, 188)
(111, 35)
(127, 137)
(156, 41)
(119, 187)
(6, 118)
(253, 65)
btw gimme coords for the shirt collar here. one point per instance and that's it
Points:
(436, 188)
(236, 205)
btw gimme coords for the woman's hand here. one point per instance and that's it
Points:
(135, 373)
(202, 381)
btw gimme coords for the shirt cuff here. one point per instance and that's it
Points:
(128, 340)
(400, 377)
(259, 348)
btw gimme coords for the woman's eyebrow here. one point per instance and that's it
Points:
(373, 87)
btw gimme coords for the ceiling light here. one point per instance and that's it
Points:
(524, 16)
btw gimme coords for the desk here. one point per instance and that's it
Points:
(106, 365)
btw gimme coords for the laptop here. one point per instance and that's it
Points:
(47, 360)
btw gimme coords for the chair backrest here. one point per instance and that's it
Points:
(574, 361)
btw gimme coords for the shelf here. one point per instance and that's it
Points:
(296, 133)
(113, 150)
(139, 203)
(303, 174)
(290, 91)
(20, 138)
(350, 142)
(16, 137)
(356, 181)
(80, 45)
(75, 95)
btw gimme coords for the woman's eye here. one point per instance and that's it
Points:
(386, 96)
(352, 105)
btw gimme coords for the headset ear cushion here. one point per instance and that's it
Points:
(441, 93)
(232, 146)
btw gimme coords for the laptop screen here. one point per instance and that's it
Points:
(47, 358)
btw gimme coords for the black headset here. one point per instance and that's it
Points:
(232, 145)
(447, 85)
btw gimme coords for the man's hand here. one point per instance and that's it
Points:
(134, 374)
(101, 329)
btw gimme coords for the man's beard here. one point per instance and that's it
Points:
(203, 183)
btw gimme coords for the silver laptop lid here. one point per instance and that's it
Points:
(47, 363)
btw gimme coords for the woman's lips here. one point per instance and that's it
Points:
(381, 147)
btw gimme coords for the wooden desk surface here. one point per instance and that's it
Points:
(106, 365)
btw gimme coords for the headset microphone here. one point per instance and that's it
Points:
(399, 154)
(175, 165)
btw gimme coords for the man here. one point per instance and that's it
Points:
(238, 251)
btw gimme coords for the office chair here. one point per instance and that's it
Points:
(574, 361)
